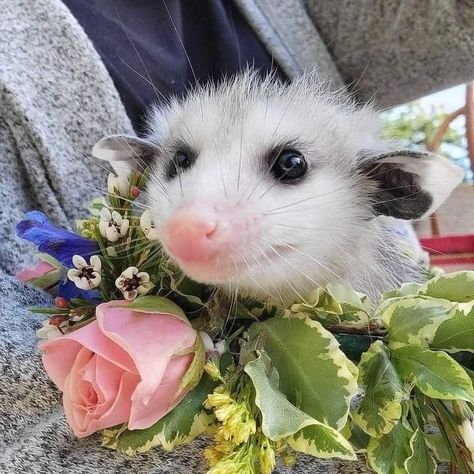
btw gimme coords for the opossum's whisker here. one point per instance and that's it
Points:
(180, 41)
(315, 196)
(292, 266)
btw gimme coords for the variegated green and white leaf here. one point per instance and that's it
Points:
(280, 418)
(456, 286)
(387, 454)
(420, 460)
(415, 321)
(336, 304)
(435, 374)
(438, 446)
(315, 375)
(322, 441)
(186, 421)
(457, 333)
(358, 438)
(381, 408)
(407, 290)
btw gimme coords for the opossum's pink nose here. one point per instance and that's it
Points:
(196, 233)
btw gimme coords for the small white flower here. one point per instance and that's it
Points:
(85, 276)
(220, 347)
(207, 342)
(133, 283)
(49, 331)
(111, 225)
(147, 226)
(117, 185)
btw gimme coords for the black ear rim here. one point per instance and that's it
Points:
(367, 158)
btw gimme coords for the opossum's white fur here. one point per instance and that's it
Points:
(326, 218)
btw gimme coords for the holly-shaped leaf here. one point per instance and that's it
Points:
(435, 374)
(181, 425)
(420, 460)
(387, 454)
(315, 375)
(381, 408)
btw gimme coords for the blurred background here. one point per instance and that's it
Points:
(442, 122)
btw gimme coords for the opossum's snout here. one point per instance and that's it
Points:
(207, 240)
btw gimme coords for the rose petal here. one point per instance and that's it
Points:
(85, 420)
(36, 271)
(168, 395)
(149, 339)
(60, 353)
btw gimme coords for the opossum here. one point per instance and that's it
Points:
(272, 189)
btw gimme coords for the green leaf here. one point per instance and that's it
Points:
(456, 286)
(436, 374)
(194, 373)
(157, 304)
(358, 438)
(420, 460)
(322, 441)
(457, 333)
(279, 417)
(415, 321)
(438, 445)
(387, 454)
(380, 409)
(186, 421)
(315, 375)
(406, 290)
(336, 304)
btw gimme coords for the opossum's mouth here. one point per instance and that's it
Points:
(230, 268)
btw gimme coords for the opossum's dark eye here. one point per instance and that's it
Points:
(288, 166)
(180, 161)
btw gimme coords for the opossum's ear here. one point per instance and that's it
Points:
(124, 152)
(410, 184)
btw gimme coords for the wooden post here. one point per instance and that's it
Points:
(470, 122)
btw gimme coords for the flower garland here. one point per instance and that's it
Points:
(148, 357)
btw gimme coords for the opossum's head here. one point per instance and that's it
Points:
(273, 188)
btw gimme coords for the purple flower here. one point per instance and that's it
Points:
(68, 290)
(59, 243)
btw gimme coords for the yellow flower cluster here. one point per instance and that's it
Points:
(212, 370)
(238, 447)
(236, 421)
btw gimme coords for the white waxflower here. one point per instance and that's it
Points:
(207, 342)
(111, 225)
(85, 276)
(147, 226)
(50, 331)
(117, 185)
(133, 283)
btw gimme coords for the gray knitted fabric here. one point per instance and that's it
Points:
(56, 100)
(392, 51)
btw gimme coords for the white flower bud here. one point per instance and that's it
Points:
(117, 185)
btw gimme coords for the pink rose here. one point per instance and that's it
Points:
(31, 273)
(126, 366)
